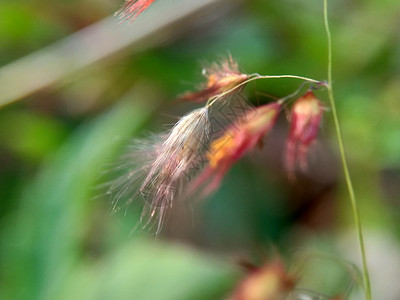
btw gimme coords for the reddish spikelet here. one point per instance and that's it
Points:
(270, 282)
(305, 120)
(239, 139)
(133, 8)
(221, 78)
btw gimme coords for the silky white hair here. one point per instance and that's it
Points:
(158, 168)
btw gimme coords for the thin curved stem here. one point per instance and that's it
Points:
(356, 213)
(253, 77)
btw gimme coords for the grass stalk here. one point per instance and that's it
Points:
(356, 213)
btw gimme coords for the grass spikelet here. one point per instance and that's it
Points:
(236, 141)
(221, 77)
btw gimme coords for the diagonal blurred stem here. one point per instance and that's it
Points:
(356, 213)
(94, 43)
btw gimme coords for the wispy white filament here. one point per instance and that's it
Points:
(159, 167)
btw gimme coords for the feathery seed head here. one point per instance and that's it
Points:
(164, 165)
(183, 145)
(177, 157)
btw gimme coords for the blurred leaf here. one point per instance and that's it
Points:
(30, 135)
(43, 241)
(146, 271)
(43, 250)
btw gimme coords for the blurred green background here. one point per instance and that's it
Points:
(58, 238)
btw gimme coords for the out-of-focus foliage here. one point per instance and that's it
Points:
(58, 239)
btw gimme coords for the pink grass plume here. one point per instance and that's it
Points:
(306, 117)
(237, 140)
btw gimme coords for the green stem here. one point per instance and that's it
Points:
(356, 213)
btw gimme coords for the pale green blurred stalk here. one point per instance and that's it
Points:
(356, 213)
